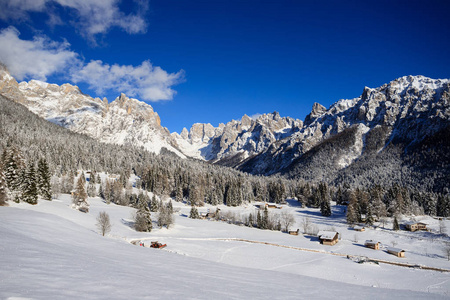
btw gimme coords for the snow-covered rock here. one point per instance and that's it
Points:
(124, 121)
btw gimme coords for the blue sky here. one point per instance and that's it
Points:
(213, 61)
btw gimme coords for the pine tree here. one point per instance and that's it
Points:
(259, 223)
(265, 219)
(369, 217)
(325, 208)
(443, 206)
(170, 207)
(165, 216)
(43, 180)
(143, 220)
(154, 204)
(3, 187)
(91, 189)
(395, 225)
(179, 193)
(352, 212)
(250, 220)
(79, 197)
(101, 191)
(14, 168)
(193, 214)
(29, 186)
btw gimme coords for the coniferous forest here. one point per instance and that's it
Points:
(40, 158)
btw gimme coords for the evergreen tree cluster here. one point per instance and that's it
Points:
(26, 139)
(20, 180)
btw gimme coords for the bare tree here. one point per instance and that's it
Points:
(306, 223)
(287, 219)
(383, 221)
(442, 227)
(447, 250)
(103, 223)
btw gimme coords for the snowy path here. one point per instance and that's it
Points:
(400, 264)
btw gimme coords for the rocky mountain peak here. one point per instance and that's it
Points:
(317, 111)
(123, 121)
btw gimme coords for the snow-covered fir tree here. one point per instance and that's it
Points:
(193, 214)
(79, 197)
(14, 167)
(91, 189)
(29, 186)
(43, 180)
(143, 220)
(3, 187)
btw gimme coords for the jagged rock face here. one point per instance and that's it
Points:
(9, 86)
(242, 138)
(316, 111)
(407, 109)
(123, 121)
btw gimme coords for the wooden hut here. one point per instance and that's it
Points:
(372, 244)
(359, 228)
(396, 251)
(328, 237)
(414, 226)
(261, 206)
(294, 232)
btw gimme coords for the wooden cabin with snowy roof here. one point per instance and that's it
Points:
(414, 226)
(328, 237)
(396, 251)
(372, 244)
(359, 228)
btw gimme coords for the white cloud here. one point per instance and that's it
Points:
(37, 58)
(42, 57)
(255, 116)
(18, 9)
(93, 16)
(144, 81)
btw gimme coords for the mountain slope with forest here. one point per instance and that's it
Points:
(396, 133)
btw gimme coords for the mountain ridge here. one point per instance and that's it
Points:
(401, 114)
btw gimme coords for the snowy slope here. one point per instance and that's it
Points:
(52, 251)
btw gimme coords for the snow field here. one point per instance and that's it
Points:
(52, 251)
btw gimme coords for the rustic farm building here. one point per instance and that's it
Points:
(359, 228)
(328, 237)
(372, 244)
(294, 232)
(396, 251)
(414, 226)
(261, 206)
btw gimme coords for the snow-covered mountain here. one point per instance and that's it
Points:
(384, 131)
(403, 114)
(130, 121)
(231, 143)
(123, 121)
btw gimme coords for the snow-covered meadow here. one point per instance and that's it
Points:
(50, 251)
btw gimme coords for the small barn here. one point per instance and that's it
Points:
(261, 206)
(359, 228)
(372, 244)
(414, 226)
(396, 251)
(328, 237)
(294, 232)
